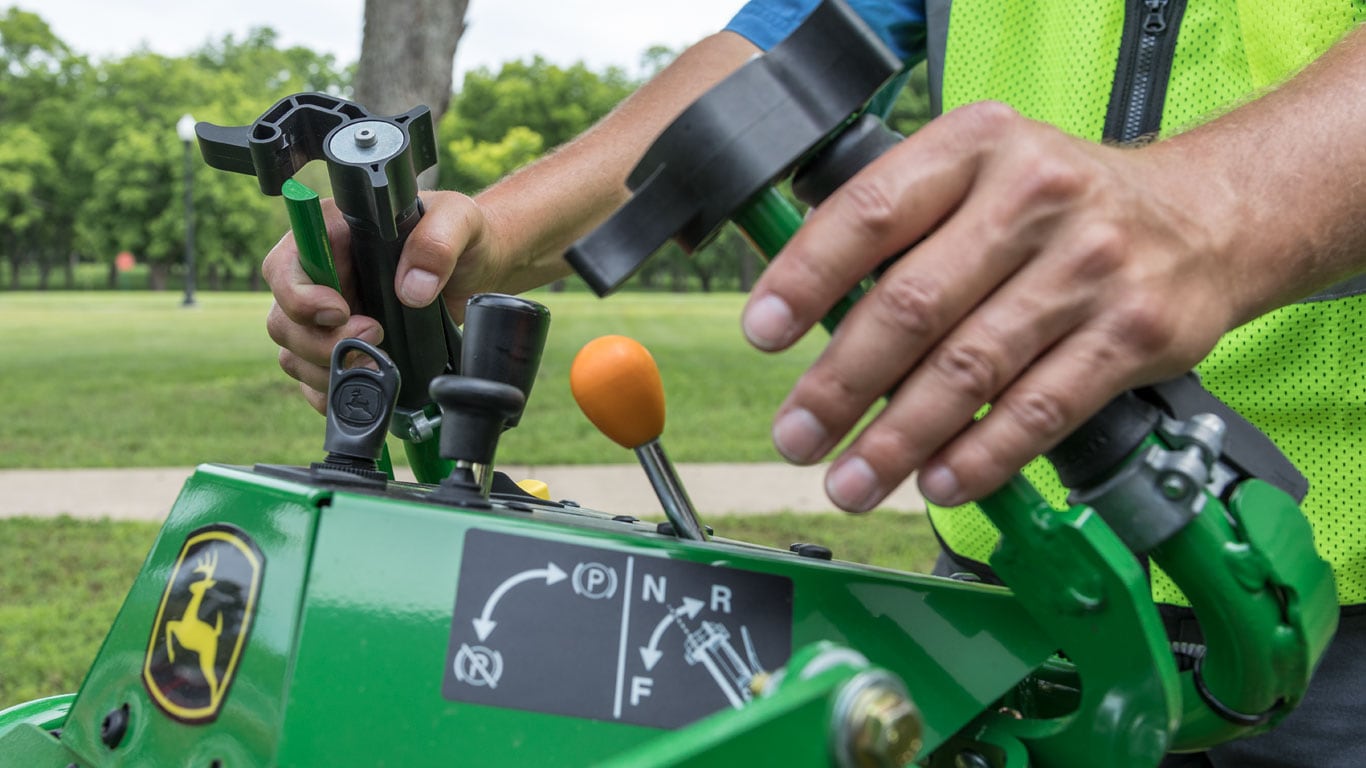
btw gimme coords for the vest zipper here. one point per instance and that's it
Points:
(1145, 63)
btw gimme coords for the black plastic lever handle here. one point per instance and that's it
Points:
(373, 162)
(749, 130)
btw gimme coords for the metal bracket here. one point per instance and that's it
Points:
(1150, 500)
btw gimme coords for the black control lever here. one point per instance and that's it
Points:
(751, 129)
(373, 163)
(474, 413)
(503, 341)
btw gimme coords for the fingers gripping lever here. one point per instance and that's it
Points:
(373, 163)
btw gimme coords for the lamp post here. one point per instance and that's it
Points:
(185, 129)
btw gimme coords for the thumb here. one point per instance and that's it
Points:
(452, 223)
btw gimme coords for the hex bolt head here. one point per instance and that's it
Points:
(885, 729)
(114, 727)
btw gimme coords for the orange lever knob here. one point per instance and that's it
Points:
(617, 385)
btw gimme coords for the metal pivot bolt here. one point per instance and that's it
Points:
(1175, 487)
(878, 724)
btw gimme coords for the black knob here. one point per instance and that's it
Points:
(504, 337)
(473, 415)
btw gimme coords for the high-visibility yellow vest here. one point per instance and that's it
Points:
(1298, 373)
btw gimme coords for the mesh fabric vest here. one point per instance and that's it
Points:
(1298, 373)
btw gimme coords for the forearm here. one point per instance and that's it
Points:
(537, 212)
(1286, 189)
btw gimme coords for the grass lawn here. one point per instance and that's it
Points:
(62, 581)
(133, 379)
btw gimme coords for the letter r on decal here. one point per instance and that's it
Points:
(720, 598)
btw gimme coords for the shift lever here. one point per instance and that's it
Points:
(617, 385)
(503, 340)
(474, 413)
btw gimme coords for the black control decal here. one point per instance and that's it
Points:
(602, 634)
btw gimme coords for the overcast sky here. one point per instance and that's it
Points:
(599, 32)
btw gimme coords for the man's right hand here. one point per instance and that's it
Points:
(448, 254)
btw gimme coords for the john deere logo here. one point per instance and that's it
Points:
(202, 623)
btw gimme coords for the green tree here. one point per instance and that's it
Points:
(92, 165)
(272, 72)
(134, 163)
(39, 75)
(34, 65)
(26, 173)
(499, 122)
(473, 165)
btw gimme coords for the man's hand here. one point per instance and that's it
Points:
(1039, 273)
(447, 254)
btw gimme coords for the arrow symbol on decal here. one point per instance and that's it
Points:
(650, 654)
(483, 626)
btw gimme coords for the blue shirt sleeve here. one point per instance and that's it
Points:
(900, 23)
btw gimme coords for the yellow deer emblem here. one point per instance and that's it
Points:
(194, 648)
(193, 633)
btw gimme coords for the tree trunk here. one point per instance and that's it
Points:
(156, 276)
(748, 269)
(113, 276)
(69, 272)
(406, 57)
(215, 280)
(254, 279)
